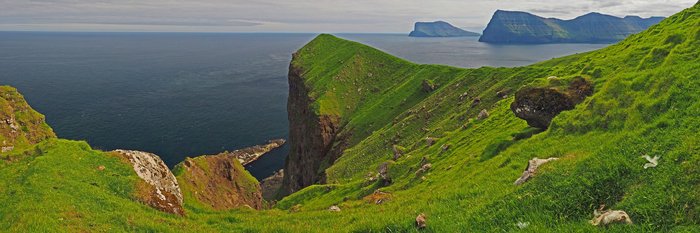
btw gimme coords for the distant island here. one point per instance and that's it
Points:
(514, 27)
(439, 29)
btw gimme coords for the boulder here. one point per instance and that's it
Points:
(607, 217)
(162, 190)
(503, 93)
(334, 208)
(532, 166)
(476, 101)
(428, 86)
(483, 115)
(430, 141)
(398, 151)
(539, 105)
(424, 168)
(383, 173)
(421, 221)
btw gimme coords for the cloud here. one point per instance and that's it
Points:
(297, 15)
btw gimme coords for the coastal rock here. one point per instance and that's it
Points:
(538, 106)
(531, 169)
(438, 29)
(162, 190)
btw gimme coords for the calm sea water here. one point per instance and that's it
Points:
(184, 94)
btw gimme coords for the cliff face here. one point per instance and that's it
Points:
(20, 125)
(521, 27)
(438, 29)
(311, 137)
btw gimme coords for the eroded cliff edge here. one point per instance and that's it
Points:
(311, 136)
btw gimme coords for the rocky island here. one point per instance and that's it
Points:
(439, 29)
(515, 27)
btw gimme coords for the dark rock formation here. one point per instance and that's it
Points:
(219, 181)
(538, 106)
(439, 29)
(525, 28)
(160, 189)
(311, 137)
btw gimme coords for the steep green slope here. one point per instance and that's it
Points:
(646, 101)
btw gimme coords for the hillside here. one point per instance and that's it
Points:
(514, 27)
(438, 29)
(384, 140)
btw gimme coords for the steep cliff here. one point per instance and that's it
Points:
(438, 29)
(311, 136)
(20, 125)
(525, 28)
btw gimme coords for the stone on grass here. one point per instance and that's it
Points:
(531, 169)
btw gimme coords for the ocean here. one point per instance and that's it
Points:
(189, 94)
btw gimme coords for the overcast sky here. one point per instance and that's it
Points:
(296, 15)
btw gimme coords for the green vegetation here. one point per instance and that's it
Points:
(646, 102)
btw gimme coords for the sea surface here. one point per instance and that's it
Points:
(190, 94)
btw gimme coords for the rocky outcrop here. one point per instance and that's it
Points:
(220, 182)
(271, 185)
(513, 27)
(539, 105)
(161, 189)
(250, 154)
(439, 29)
(311, 137)
(20, 125)
(531, 169)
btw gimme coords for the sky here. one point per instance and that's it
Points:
(314, 16)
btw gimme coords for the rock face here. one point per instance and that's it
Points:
(538, 106)
(162, 190)
(20, 125)
(219, 181)
(311, 137)
(515, 27)
(439, 29)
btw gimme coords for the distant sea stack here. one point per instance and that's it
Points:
(514, 27)
(439, 29)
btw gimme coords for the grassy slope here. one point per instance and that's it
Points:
(646, 102)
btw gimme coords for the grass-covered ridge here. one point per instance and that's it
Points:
(646, 101)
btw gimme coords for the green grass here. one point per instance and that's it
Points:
(646, 101)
